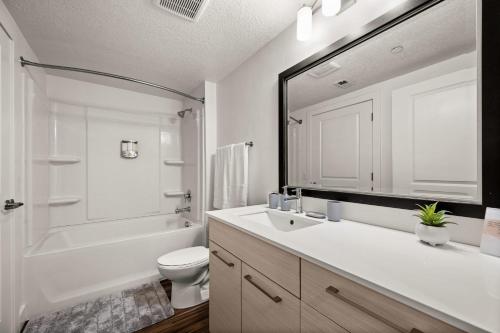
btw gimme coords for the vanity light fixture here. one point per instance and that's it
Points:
(304, 23)
(330, 7)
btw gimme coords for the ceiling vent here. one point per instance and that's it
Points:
(190, 10)
(344, 84)
(324, 69)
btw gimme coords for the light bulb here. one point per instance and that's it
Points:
(304, 23)
(330, 7)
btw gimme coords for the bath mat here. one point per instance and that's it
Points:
(123, 312)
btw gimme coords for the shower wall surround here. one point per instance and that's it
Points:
(89, 180)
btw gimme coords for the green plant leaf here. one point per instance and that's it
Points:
(429, 216)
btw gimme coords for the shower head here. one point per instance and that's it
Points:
(183, 112)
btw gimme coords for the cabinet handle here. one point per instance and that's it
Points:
(215, 253)
(276, 299)
(336, 292)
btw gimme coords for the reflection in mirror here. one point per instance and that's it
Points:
(398, 114)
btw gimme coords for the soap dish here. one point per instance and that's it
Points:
(316, 215)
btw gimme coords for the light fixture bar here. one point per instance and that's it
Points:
(330, 7)
(304, 23)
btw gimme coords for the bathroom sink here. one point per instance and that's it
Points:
(280, 221)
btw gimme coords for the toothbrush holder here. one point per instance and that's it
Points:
(334, 210)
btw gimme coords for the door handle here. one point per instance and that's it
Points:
(216, 254)
(11, 204)
(336, 293)
(276, 299)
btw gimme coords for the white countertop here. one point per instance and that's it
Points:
(454, 282)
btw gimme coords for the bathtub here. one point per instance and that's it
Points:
(74, 264)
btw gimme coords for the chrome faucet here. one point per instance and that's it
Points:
(297, 198)
(183, 210)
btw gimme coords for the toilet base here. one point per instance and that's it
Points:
(185, 295)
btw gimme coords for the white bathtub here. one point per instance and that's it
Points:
(77, 263)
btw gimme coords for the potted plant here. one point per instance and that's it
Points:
(432, 227)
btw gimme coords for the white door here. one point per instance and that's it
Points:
(435, 137)
(7, 164)
(341, 147)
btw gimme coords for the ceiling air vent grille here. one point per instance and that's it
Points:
(324, 69)
(344, 84)
(187, 9)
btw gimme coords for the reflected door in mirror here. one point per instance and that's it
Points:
(341, 147)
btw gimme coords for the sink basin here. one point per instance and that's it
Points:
(280, 221)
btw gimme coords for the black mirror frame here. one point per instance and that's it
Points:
(490, 109)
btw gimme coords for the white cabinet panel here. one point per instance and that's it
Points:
(435, 137)
(341, 147)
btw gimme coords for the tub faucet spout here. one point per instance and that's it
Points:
(183, 210)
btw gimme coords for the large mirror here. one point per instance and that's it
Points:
(397, 115)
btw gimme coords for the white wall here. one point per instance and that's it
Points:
(88, 121)
(192, 152)
(206, 115)
(23, 189)
(248, 97)
(467, 230)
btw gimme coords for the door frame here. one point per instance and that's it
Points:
(8, 315)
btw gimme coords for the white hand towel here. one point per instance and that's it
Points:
(231, 176)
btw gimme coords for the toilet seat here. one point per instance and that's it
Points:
(184, 258)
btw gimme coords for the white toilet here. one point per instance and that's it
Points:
(188, 270)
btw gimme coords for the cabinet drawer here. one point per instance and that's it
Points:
(360, 309)
(278, 265)
(266, 307)
(314, 322)
(225, 291)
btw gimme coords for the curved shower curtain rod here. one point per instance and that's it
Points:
(115, 76)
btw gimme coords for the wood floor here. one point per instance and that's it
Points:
(192, 320)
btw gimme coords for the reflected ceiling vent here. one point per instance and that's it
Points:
(323, 69)
(190, 10)
(344, 84)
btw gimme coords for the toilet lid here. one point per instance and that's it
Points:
(183, 257)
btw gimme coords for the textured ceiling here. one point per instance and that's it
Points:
(135, 38)
(439, 33)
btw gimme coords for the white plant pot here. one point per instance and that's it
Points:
(432, 235)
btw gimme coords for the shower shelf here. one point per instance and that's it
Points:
(64, 159)
(173, 193)
(173, 162)
(63, 200)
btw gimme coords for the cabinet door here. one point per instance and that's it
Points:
(225, 291)
(266, 307)
(359, 309)
(314, 322)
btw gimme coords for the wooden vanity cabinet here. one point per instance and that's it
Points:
(258, 287)
(265, 306)
(280, 266)
(225, 291)
(311, 321)
(360, 309)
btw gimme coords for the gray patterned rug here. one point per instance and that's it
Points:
(122, 312)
